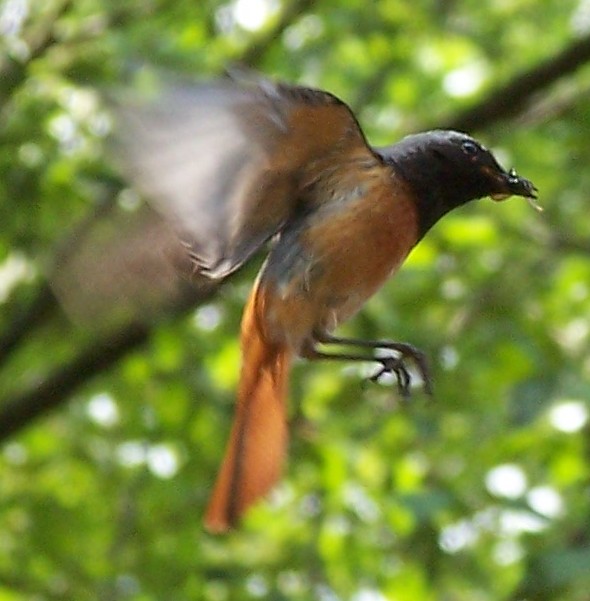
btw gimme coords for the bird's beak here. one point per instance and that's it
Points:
(511, 184)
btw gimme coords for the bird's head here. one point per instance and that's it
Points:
(447, 169)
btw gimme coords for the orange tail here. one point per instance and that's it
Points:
(257, 446)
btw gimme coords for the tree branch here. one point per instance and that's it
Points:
(17, 412)
(20, 410)
(27, 321)
(510, 99)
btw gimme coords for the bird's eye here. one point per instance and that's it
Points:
(470, 148)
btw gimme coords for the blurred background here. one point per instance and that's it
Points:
(114, 412)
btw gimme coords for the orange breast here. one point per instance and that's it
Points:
(360, 248)
(323, 272)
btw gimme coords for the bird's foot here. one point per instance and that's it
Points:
(396, 365)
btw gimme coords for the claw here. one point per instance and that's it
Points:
(397, 366)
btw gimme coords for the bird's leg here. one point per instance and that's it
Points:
(393, 365)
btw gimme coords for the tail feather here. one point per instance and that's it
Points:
(257, 446)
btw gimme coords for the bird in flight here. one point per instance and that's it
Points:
(236, 162)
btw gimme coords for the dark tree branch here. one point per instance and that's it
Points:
(20, 410)
(510, 99)
(554, 105)
(26, 322)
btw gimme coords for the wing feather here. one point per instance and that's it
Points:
(224, 162)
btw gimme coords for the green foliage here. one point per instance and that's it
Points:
(481, 493)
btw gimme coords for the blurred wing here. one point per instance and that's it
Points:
(120, 265)
(223, 162)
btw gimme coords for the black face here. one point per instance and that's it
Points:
(472, 170)
(447, 169)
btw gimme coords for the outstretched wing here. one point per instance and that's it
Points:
(225, 161)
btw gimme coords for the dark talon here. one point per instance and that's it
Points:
(407, 350)
(391, 364)
(396, 365)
